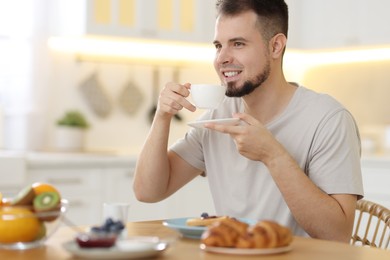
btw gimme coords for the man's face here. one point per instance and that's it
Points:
(242, 60)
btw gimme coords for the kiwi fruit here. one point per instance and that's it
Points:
(47, 203)
(24, 197)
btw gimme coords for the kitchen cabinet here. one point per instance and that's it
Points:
(316, 24)
(191, 200)
(182, 20)
(88, 181)
(376, 179)
(81, 179)
(12, 173)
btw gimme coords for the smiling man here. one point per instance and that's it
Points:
(293, 158)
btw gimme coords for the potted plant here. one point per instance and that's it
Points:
(70, 133)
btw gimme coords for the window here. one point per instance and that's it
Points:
(16, 29)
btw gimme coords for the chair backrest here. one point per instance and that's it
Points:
(372, 225)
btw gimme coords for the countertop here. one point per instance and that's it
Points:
(32, 160)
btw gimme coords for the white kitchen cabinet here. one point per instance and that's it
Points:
(80, 178)
(88, 181)
(317, 24)
(12, 174)
(191, 200)
(376, 179)
(183, 20)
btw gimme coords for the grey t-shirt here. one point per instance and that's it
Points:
(318, 132)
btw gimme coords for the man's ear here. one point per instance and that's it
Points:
(277, 45)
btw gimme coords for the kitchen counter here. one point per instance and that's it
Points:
(49, 159)
(69, 160)
(376, 178)
(376, 160)
(88, 180)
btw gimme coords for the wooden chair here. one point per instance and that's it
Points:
(372, 225)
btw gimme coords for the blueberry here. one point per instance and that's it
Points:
(97, 230)
(109, 222)
(204, 215)
(120, 226)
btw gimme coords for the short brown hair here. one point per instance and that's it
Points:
(272, 14)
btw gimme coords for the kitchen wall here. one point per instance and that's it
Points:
(361, 87)
(364, 88)
(119, 131)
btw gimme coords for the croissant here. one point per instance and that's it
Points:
(265, 234)
(224, 233)
(233, 233)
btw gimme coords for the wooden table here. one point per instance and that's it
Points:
(303, 248)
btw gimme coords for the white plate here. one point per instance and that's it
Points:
(245, 251)
(193, 232)
(132, 248)
(224, 121)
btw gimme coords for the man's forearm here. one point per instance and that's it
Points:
(321, 215)
(152, 169)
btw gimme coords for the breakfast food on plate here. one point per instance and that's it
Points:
(265, 234)
(236, 234)
(109, 226)
(204, 220)
(92, 240)
(101, 236)
(224, 233)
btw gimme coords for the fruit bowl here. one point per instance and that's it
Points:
(21, 227)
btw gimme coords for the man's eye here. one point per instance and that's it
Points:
(218, 46)
(238, 44)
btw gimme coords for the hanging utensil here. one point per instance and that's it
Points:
(155, 93)
(175, 78)
(96, 96)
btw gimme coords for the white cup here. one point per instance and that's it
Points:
(207, 96)
(116, 211)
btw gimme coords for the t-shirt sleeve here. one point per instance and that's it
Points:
(335, 158)
(189, 148)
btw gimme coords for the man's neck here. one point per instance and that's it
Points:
(269, 101)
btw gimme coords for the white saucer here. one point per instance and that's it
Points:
(223, 121)
(133, 248)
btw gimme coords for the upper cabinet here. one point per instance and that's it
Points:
(332, 24)
(182, 20)
(314, 24)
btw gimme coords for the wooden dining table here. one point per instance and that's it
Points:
(187, 249)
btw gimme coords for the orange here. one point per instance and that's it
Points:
(18, 224)
(40, 187)
(6, 202)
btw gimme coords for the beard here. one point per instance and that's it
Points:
(250, 85)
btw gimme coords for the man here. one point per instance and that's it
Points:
(295, 156)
